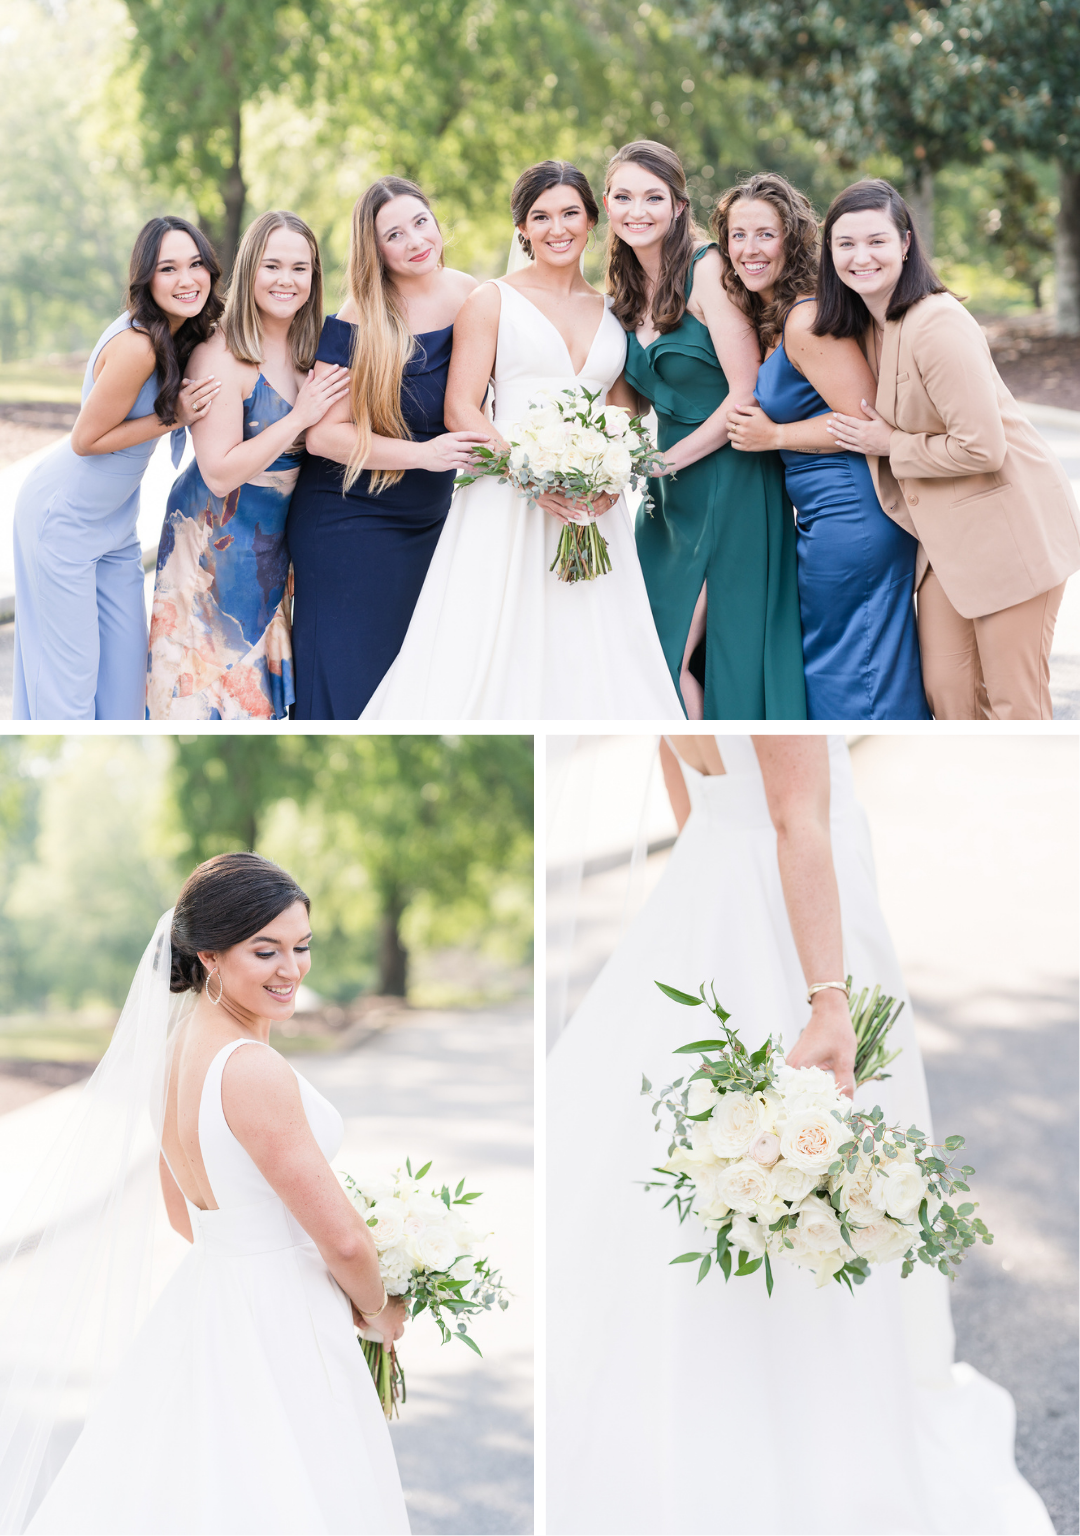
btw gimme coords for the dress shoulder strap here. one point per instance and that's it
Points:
(695, 258)
(214, 1074)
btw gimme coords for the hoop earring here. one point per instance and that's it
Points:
(590, 244)
(221, 987)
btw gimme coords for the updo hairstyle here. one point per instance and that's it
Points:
(539, 179)
(222, 903)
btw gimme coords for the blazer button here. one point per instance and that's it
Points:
(914, 500)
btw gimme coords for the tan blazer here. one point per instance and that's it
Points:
(967, 473)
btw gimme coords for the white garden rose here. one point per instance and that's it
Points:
(883, 1241)
(810, 1139)
(857, 1192)
(805, 1088)
(734, 1124)
(386, 1222)
(765, 1149)
(747, 1236)
(518, 454)
(899, 1190)
(379, 1186)
(745, 1186)
(616, 420)
(818, 1230)
(434, 1248)
(700, 1096)
(616, 462)
(708, 1199)
(792, 1182)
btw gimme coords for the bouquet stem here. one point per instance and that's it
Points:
(582, 554)
(386, 1372)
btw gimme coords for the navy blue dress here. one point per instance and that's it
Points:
(360, 560)
(856, 572)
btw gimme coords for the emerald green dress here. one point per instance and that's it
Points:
(725, 523)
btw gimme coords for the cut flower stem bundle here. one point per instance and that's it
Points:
(779, 1165)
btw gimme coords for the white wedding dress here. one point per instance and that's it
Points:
(494, 635)
(244, 1404)
(676, 1407)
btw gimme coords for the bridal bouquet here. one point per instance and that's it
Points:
(427, 1253)
(778, 1164)
(568, 443)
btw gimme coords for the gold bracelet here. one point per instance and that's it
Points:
(823, 986)
(370, 1316)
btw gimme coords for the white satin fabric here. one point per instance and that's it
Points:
(494, 635)
(676, 1407)
(244, 1404)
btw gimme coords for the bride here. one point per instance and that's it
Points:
(713, 1408)
(244, 1403)
(494, 634)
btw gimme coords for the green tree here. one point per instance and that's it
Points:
(427, 816)
(200, 62)
(223, 786)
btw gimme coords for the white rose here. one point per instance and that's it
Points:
(857, 1193)
(765, 1149)
(682, 1160)
(379, 1187)
(818, 1230)
(809, 1088)
(746, 1236)
(900, 1190)
(616, 462)
(810, 1139)
(464, 1269)
(434, 1248)
(616, 420)
(708, 1200)
(882, 1241)
(700, 1096)
(386, 1223)
(701, 1141)
(791, 1182)
(734, 1124)
(744, 1186)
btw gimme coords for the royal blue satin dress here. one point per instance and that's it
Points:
(856, 572)
(359, 560)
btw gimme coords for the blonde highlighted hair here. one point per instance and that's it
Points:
(241, 325)
(382, 342)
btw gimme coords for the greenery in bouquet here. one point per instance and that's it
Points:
(778, 1164)
(426, 1244)
(569, 443)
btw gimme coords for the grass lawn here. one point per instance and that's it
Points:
(21, 382)
(55, 1036)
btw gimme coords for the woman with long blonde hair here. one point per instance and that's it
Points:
(219, 631)
(376, 484)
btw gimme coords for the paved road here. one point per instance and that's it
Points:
(975, 842)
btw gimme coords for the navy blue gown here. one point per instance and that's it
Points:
(360, 560)
(856, 572)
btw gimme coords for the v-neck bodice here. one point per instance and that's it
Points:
(531, 356)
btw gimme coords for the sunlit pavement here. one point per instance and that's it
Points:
(456, 1087)
(975, 844)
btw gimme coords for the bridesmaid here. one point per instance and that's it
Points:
(718, 551)
(220, 647)
(856, 566)
(956, 463)
(80, 613)
(375, 486)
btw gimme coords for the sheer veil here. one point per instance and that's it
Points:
(76, 1252)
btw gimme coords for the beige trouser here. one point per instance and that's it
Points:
(996, 667)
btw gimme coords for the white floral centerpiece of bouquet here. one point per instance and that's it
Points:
(779, 1164)
(569, 443)
(426, 1244)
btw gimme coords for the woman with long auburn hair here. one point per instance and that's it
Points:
(375, 487)
(80, 615)
(718, 550)
(220, 644)
(856, 568)
(956, 463)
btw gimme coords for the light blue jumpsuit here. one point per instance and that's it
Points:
(80, 614)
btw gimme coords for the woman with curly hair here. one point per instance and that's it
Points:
(718, 550)
(856, 567)
(80, 620)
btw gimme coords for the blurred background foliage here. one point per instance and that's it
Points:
(416, 852)
(218, 109)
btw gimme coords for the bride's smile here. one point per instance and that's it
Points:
(259, 978)
(557, 226)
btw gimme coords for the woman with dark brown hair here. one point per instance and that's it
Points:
(718, 550)
(80, 617)
(956, 464)
(856, 568)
